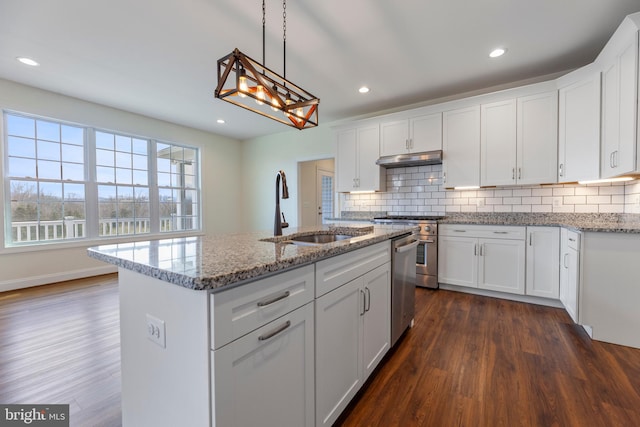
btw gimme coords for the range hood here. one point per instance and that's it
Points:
(413, 159)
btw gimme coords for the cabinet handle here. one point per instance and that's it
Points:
(482, 249)
(513, 173)
(275, 332)
(565, 260)
(274, 299)
(611, 160)
(561, 172)
(571, 239)
(530, 239)
(406, 144)
(616, 159)
(444, 177)
(500, 232)
(368, 299)
(364, 302)
(410, 143)
(460, 231)
(475, 249)
(519, 173)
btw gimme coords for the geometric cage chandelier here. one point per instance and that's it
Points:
(251, 85)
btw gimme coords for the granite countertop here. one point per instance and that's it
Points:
(218, 262)
(608, 223)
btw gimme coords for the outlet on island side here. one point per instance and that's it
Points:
(156, 331)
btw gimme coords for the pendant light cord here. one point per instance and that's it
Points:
(284, 38)
(263, 32)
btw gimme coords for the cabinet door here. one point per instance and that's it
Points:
(461, 147)
(498, 143)
(457, 262)
(543, 258)
(564, 268)
(394, 137)
(619, 97)
(338, 350)
(425, 133)
(501, 265)
(371, 177)
(266, 378)
(573, 283)
(346, 152)
(537, 139)
(579, 131)
(377, 317)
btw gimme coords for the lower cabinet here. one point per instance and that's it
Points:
(543, 255)
(266, 378)
(569, 271)
(485, 257)
(353, 332)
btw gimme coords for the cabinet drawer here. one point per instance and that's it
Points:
(334, 272)
(245, 308)
(483, 231)
(573, 240)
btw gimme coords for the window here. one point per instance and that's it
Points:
(46, 180)
(56, 173)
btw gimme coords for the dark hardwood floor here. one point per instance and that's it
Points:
(469, 361)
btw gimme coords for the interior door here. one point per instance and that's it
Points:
(324, 195)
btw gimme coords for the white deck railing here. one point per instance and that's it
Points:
(71, 228)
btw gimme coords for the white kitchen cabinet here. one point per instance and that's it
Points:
(543, 257)
(353, 334)
(412, 135)
(619, 102)
(537, 139)
(498, 143)
(357, 152)
(579, 129)
(461, 147)
(570, 271)
(266, 378)
(484, 257)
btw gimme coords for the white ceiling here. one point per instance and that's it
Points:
(158, 58)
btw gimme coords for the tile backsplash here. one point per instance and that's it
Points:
(418, 190)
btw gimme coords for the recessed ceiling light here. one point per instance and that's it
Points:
(220, 121)
(497, 52)
(363, 89)
(27, 61)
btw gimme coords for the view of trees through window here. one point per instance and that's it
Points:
(51, 180)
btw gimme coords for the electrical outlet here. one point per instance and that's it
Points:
(557, 201)
(480, 203)
(156, 331)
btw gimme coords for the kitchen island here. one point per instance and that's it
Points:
(248, 329)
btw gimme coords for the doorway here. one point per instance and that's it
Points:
(316, 198)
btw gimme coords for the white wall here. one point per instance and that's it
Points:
(263, 157)
(220, 166)
(418, 190)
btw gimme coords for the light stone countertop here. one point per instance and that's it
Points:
(219, 262)
(607, 223)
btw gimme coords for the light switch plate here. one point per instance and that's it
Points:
(156, 331)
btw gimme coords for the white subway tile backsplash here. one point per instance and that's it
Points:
(419, 190)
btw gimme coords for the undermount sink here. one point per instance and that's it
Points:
(317, 239)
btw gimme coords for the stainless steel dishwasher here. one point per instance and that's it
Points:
(403, 284)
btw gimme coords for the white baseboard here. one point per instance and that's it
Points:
(45, 279)
(504, 295)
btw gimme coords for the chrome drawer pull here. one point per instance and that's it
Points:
(500, 232)
(274, 299)
(275, 331)
(460, 231)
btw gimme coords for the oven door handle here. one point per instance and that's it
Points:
(407, 247)
(427, 241)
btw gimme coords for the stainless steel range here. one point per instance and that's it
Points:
(427, 256)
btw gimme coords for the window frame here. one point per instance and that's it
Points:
(91, 201)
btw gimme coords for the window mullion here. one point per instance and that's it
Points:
(91, 189)
(154, 199)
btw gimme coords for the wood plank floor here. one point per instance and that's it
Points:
(469, 361)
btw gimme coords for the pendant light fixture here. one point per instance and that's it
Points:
(249, 84)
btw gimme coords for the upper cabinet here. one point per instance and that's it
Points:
(537, 136)
(357, 152)
(619, 63)
(518, 140)
(411, 135)
(579, 127)
(461, 147)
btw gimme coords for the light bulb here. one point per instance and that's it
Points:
(299, 112)
(260, 95)
(242, 85)
(275, 101)
(288, 101)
